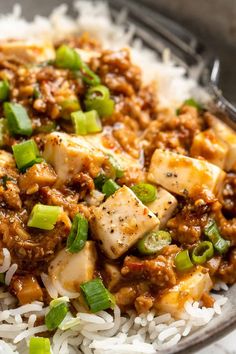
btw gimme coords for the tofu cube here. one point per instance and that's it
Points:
(184, 175)
(70, 270)
(207, 145)
(228, 136)
(120, 222)
(190, 288)
(163, 206)
(110, 146)
(72, 154)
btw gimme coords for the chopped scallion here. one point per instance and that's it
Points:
(212, 232)
(86, 123)
(44, 216)
(98, 98)
(56, 315)
(110, 187)
(18, 120)
(154, 242)
(3, 130)
(192, 102)
(26, 154)
(118, 170)
(146, 192)
(4, 90)
(78, 234)
(202, 252)
(89, 76)
(182, 261)
(97, 296)
(93, 123)
(68, 58)
(39, 345)
(69, 106)
(79, 122)
(100, 180)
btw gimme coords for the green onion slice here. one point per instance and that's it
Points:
(212, 232)
(46, 127)
(118, 170)
(67, 58)
(4, 90)
(56, 315)
(98, 98)
(18, 120)
(145, 192)
(79, 122)
(69, 106)
(44, 216)
(110, 187)
(100, 180)
(93, 123)
(89, 77)
(192, 102)
(78, 234)
(3, 130)
(154, 242)
(203, 252)
(39, 345)
(182, 261)
(86, 123)
(26, 154)
(97, 296)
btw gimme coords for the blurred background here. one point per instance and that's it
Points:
(213, 21)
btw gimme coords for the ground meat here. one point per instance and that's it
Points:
(143, 303)
(187, 226)
(68, 200)
(31, 247)
(229, 195)
(118, 73)
(9, 190)
(158, 271)
(227, 269)
(83, 183)
(172, 132)
(35, 177)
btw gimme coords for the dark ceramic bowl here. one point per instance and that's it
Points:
(196, 19)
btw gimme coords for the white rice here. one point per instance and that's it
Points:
(102, 333)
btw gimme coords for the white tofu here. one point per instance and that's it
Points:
(183, 175)
(70, 270)
(206, 144)
(112, 275)
(120, 222)
(72, 154)
(190, 288)
(228, 135)
(28, 51)
(110, 146)
(163, 206)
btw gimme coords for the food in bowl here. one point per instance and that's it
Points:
(117, 192)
